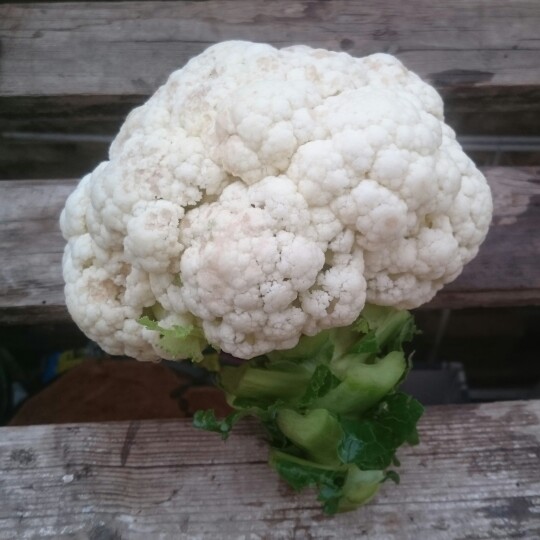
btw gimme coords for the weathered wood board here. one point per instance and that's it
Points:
(78, 68)
(46, 45)
(31, 290)
(82, 65)
(31, 246)
(474, 476)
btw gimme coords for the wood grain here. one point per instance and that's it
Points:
(128, 48)
(83, 65)
(31, 289)
(475, 475)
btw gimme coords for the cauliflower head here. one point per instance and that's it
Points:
(261, 194)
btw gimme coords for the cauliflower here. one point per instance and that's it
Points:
(261, 195)
(286, 207)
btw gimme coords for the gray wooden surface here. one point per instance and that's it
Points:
(504, 273)
(77, 69)
(474, 476)
(101, 58)
(46, 52)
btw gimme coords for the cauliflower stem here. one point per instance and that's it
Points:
(330, 407)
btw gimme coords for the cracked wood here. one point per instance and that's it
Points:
(474, 475)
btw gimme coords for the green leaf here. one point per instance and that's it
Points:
(393, 476)
(359, 487)
(361, 325)
(363, 385)
(406, 332)
(317, 432)
(308, 347)
(392, 327)
(266, 411)
(300, 473)
(371, 443)
(367, 344)
(251, 403)
(330, 496)
(207, 420)
(280, 380)
(276, 437)
(400, 412)
(210, 361)
(413, 438)
(321, 382)
(329, 407)
(368, 445)
(179, 341)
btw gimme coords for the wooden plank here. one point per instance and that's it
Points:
(128, 48)
(475, 475)
(71, 66)
(31, 289)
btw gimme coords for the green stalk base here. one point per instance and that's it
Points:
(331, 407)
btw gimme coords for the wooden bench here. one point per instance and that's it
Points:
(475, 475)
(76, 69)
